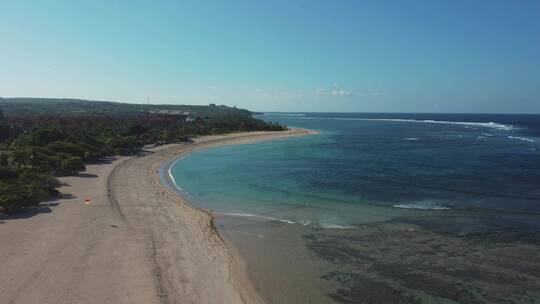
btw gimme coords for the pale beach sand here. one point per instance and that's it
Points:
(136, 242)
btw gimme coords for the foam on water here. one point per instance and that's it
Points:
(492, 125)
(522, 138)
(242, 214)
(405, 169)
(245, 214)
(424, 205)
(292, 221)
(431, 172)
(336, 226)
(171, 176)
(325, 224)
(286, 114)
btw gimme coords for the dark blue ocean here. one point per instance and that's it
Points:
(452, 172)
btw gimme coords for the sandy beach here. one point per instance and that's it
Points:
(135, 242)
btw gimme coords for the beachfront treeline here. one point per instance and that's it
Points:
(34, 150)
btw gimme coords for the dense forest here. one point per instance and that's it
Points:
(42, 139)
(17, 107)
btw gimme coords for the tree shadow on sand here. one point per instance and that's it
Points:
(103, 161)
(28, 213)
(43, 208)
(86, 175)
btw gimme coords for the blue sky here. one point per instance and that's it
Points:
(374, 56)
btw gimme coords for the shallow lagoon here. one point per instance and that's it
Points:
(369, 201)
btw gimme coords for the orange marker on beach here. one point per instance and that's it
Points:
(87, 201)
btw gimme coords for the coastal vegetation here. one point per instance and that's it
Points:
(41, 139)
(64, 107)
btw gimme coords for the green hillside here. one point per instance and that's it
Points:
(27, 107)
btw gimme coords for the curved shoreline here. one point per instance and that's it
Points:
(236, 267)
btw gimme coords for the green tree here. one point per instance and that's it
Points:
(4, 128)
(6, 174)
(72, 165)
(136, 129)
(16, 195)
(21, 157)
(4, 159)
(68, 148)
(40, 180)
(42, 137)
(167, 136)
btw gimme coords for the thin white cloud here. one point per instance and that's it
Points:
(337, 91)
(341, 92)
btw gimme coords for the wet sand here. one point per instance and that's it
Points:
(136, 242)
(403, 260)
(447, 256)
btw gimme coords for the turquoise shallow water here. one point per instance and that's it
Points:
(245, 181)
(436, 208)
(363, 169)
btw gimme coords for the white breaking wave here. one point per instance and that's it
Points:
(410, 138)
(173, 180)
(286, 114)
(286, 221)
(337, 226)
(492, 125)
(522, 138)
(291, 221)
(245, 214)
(242, 214)
(171, 175)
(422, 206)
